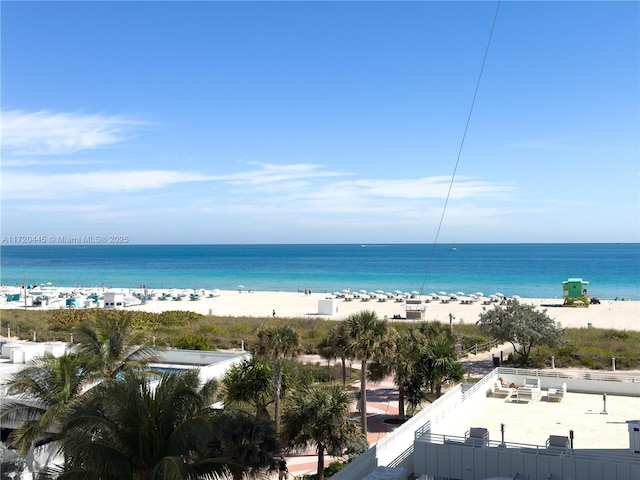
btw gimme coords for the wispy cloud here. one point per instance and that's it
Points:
(47, 133)
(36, 185)
(268, 173)
(293, 183)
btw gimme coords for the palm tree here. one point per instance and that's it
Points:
(244, 439)
(135, 429)
(443, 361)
(406, 364)
(113, 344)
(277, 343)
(317, 415)
(45, 391)
(336, 345)
(251, 382)
(372, 339)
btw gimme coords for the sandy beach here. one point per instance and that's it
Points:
(622, 315)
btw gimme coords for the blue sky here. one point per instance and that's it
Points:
(321, 122)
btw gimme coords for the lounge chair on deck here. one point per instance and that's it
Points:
(531, 389)
(556, 392)
(500, 390)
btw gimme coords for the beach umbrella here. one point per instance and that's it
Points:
(380, 291)
(240, 286)
(363, 291)
(398, 292)
(498, 294)
(479, 294)
(461, 294)
(442, 293)
(415, 292)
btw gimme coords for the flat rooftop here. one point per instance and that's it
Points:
(533, 422)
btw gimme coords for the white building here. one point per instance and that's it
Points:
(113, 300)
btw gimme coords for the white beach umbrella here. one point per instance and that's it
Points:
(363, 291)
(461, 294)
(479, 294)
(380, 291)
(442, 293)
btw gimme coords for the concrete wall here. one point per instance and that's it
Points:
(473, 463)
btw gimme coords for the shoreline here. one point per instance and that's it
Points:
(619, 315)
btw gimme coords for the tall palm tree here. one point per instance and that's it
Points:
(44, 393)
(406, 364)
(336, 345)
(372, 339)
(136, 429)
(277, 342)
(319, 416)
(113, 344)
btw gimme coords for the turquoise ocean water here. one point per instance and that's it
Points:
(528, 270)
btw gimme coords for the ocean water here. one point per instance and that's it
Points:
(528, 270)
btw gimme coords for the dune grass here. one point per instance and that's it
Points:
(583, 347)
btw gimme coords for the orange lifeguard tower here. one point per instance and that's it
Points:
(575, 293)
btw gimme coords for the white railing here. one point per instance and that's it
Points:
(614, 383)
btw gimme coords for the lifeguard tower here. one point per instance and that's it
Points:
(575, 293)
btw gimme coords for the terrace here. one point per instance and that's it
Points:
(597, 421)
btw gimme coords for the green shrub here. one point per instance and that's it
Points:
(194, 342)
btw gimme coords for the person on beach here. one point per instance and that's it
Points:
(274, 313)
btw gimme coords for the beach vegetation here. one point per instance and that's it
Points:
(244, 440)
(336, 345)
(44, 393)
(134, 428)
(233, 332)
(405, 365)
(250, 382)
(194, 341)
(319, 416)
(592, 348)
(371, 340)
(521, 325)
(112, 345)
(277, 342)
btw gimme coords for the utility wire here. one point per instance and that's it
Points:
(464, 135)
